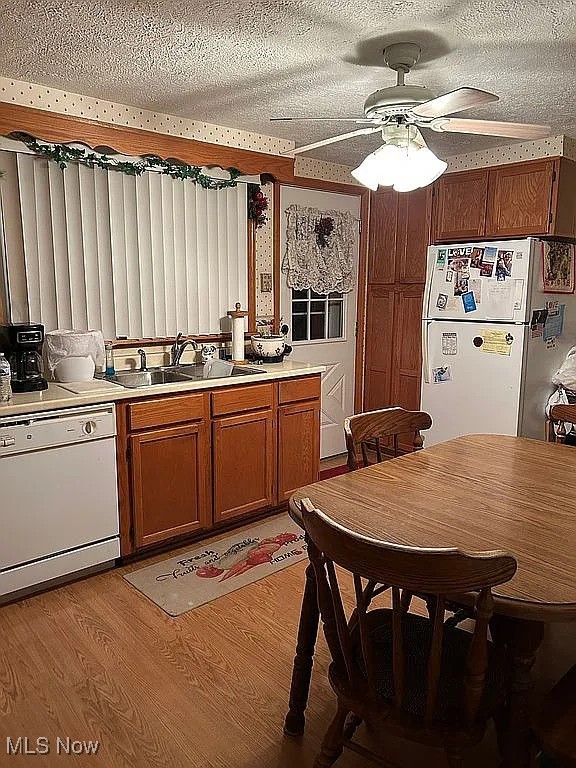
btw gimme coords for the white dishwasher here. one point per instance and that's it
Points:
(58, 495)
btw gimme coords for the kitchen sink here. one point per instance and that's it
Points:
(171, 375)
(134, 379)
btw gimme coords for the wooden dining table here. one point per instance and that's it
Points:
(476, 493)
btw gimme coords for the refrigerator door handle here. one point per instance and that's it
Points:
(425, 360)
(428, 289)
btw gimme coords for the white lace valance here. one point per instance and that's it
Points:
(308, 263)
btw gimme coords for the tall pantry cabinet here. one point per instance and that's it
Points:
(399, 237)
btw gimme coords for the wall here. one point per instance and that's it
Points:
(553, 146)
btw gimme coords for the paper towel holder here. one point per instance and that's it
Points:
(238, 345)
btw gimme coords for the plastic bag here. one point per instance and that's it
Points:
(565, 376)
(61, 344)
(559, 398)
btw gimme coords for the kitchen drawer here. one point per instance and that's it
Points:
(293, 390)
(240, 399)
(163, 411)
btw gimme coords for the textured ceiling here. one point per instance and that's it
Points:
(237, 63)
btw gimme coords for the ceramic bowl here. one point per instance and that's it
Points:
(268, 346)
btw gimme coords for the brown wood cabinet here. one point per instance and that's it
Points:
(190, 462)
(244, 464)
(520, 199)
(378, 347)
(298, 446)
(537, 197)
(170, 473)
(399, 236)
(394, 297)
(460, 206)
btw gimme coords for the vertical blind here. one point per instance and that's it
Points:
(134, 256)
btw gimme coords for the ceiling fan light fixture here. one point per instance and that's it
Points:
(403, 168)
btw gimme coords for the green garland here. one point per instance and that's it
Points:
(62, 154)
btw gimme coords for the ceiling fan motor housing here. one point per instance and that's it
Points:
(397, 100)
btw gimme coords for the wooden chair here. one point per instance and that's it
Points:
(555, 724)
(399, 672)
(368, 429)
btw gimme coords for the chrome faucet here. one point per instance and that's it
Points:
(178, 348)
(142, 354)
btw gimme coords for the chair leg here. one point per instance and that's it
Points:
(454, 758)
(352, 722)
(333, 742)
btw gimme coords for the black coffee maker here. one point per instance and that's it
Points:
(22, 345)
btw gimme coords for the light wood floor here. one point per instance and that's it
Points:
(97, 660)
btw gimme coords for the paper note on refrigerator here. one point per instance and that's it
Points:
(497, 342)
(449, 344)
(499, 296)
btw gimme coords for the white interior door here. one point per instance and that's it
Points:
(323, 328)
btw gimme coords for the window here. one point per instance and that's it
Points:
(139, 257)
(317, 316)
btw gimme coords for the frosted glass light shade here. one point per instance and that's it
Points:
(404, 168)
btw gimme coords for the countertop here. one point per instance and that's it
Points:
(56, 397)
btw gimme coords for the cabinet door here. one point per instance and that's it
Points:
(298, 446)
(459, 206)
(378, 352)
(407, 353)
(414, 218)
(170, 472)
(382, 236)
(244, 452)
(519, 199)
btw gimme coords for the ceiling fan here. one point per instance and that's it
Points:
(401, 110)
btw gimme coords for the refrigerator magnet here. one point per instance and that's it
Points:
(488, 262)
(449, 344)
(460, 284)
(441, 301)
(442, 374)
(469, 302)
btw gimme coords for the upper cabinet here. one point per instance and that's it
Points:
(460, 206)
(383, 232)
(399, 236)
(516, 200)
(520, 199)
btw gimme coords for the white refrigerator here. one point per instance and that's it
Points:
(493, 337)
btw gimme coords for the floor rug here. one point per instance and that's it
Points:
(213, 569)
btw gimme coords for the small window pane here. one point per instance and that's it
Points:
(317, 327)
(317, 306)
(299, 327)
(318, 295)
(299, 294)
(335, 318)
(299, 307)
(335, 295)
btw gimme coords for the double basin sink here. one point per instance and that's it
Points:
(172, 375)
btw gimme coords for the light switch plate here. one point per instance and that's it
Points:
(265, 282)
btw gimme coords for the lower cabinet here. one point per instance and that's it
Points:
(170, 474)
(244, 454)
(298, 447)
(190, 462)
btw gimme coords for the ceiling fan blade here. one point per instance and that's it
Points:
(490, 128)
(333, 140)
(309, 119)
(455, 101)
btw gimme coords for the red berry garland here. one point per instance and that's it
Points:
(257, 205)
